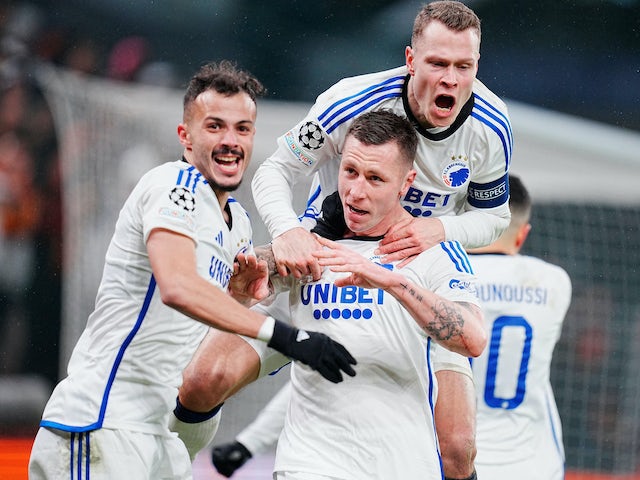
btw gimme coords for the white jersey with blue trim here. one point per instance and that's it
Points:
(126, 367)
(524, 300)
(459, 168)
(380, 423)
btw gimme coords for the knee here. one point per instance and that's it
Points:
(205, 386)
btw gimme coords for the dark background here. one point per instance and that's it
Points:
(580, 57)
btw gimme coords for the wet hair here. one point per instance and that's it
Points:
(382, 126)
(225, 78)
(455, 15)
(519, 199)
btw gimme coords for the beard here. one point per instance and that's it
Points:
(223, 188)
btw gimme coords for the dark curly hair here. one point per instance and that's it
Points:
(224, 77)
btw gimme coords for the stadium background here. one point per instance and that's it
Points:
(569, 72)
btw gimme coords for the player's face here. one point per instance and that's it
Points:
(443, 64)
(371, 180)
(218, 134)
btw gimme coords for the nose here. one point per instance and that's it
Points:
(356, 189)
(230, 137)
(450, 77)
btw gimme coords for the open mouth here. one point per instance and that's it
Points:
(445, 102)
(357, 210)
(227, 161)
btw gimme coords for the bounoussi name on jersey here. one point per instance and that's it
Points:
(505, 292)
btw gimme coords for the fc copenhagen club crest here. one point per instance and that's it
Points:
(455, 174)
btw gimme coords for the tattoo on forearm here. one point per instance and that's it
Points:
(265, 252)
(447, 321)
(411, 291)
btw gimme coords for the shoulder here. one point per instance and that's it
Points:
(372, 87)
(485, 98)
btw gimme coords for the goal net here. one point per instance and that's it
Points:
(102, 126)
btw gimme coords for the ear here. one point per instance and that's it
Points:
(523, 233)
(408, 181)
(408, 55)
(183, 136)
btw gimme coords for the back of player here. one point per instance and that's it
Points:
(524, 300)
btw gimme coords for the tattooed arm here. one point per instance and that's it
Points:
(457, 326)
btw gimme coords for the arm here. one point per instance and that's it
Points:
(477, 228)
(474, 228)
(272, 191)
(173, 261)
(458, 326)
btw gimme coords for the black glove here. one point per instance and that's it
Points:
(315, 349)
(229, 457)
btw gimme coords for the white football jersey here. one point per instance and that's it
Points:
(459, 168)
(127, 365)
(519, 434)
(378, 424)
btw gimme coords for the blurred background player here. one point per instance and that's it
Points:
(524, 299)
(165, 280)
(460, 193)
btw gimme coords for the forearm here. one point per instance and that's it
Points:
(455, 325)
(272, 188)
(202, 301)
(476, 228)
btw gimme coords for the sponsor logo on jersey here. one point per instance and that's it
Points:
(296, 150)
(183, 198)
(422, 204)
(463, 285)
(349, 302)
(456, 173)
(311, 136)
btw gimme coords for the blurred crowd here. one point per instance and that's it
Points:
(31, 214)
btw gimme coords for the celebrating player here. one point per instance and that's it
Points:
(524, 300)
(380, 424)
(165, 281)
(460, 193)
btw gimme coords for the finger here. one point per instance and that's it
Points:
(316, 271)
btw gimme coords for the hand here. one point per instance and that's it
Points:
(328, 357)
(250, 280)
(293, 253)
(363, 272)
(265, 252)
(409, 238)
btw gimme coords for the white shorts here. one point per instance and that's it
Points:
(271, 360)
(106, 454)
